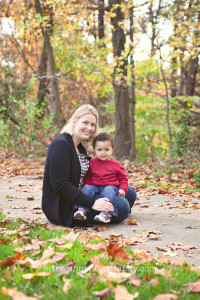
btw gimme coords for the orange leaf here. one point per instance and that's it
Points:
(30, 198)
(133, 223)
(11, 260)
(115, 251)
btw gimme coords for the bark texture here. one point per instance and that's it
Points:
(47, 32)
(122, 121)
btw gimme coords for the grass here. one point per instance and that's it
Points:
(164, 185)
(51, 287)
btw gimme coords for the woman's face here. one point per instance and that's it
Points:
(84, 127)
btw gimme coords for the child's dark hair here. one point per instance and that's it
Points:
(102, 137)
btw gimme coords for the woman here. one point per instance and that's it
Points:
(66, 165)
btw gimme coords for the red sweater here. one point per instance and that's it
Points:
(109, 172)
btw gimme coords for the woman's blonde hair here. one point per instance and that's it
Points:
(79, 112)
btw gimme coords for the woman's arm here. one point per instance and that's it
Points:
(60, 163)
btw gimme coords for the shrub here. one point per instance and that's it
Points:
(30, 132)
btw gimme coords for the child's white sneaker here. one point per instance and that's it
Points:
(103, 217)
(80, 214)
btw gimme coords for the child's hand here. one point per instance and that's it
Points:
(121, 193)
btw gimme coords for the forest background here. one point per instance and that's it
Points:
(137, 62)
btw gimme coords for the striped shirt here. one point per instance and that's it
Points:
(84, 162)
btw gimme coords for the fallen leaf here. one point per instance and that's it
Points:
(96, 262)
(113, 273)
(178, 262)
(57, 241)
(64, 269)
(122, 293)
(115, 234)
(160, 258)
(91, 281)
(100, 228)
(184, 212)
(147, 277)
(133, 223)
(102, 294)
(143, 255)
(135, 282)
(47, 253)
(188, 255)
(67, 283)
(144, 233)
(11, 260)
(30, 198)
(195, 269)
(40, 274)
(154, 281)
(10, 232)
(83, 238)
(115, 251)
(164, 248)
(166, 297)
(154, 237)
(58, 256)
(3, 241)
(16, 295)
(162, 272)
(25, 239)
(35, 245)
(66, 246)
(193, 286)
(171, 254)
(155, 232)
(71, 236)
(98, 247)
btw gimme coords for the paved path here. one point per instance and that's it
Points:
(21, 197)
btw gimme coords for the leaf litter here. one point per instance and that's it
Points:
(113, 247)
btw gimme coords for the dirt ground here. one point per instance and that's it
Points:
(161, 222)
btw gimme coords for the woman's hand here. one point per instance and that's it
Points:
(103, 204)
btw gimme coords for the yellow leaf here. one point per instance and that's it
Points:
(40, 274)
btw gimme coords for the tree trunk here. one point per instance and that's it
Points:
(191, 76)
(122, 122)
(183, 75)
(174, 63)
(52, 68)
(101, 19)
(153, 29)
(43, 83)
(132, 154)
(173, 76)
(193, 65)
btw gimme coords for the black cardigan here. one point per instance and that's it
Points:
(61, 180)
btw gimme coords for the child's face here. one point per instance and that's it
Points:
(103, 150)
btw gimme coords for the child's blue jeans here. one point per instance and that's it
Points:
(108, 191)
